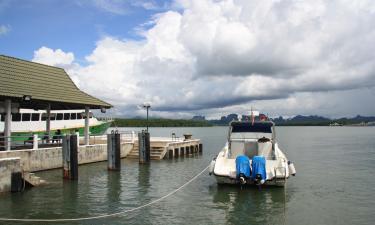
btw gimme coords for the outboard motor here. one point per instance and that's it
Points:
(243, 169)
(212, 166)
(292, 169)
(259, 174)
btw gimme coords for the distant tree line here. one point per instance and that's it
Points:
(159, 122)
(200, 121)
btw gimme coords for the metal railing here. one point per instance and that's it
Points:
(36, 141)
(32, 141)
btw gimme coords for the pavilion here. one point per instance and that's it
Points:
(30, 85)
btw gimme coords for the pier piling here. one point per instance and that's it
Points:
(114, 151)
(144, 147)
(16, 182)
(70, 157)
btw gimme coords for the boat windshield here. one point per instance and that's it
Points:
(263, 127)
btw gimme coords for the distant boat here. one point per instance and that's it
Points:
(335, 124)
(252, 156)
(28, 122)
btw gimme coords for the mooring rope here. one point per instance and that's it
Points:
(107, 215)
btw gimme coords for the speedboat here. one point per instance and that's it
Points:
(252, 155)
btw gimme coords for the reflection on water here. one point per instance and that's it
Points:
(114, 188)
(144, 177)
(251, 205)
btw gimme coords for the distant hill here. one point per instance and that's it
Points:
(159, 122)
(321, 121)
(303, 121)
(200, 121)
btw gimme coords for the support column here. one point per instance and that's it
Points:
(7, 123)
(87, 125)
(200, 148)
(35, 141)
(70, 157)
(114, 151)
(48, 122)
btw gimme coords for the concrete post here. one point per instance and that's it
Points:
(48, 122)
(144, 147)
(77, 133)
(87, 125)
(114, 151)
(16, 182)
(35, 141)
(133, 136)
(7, 123)
(70, 157)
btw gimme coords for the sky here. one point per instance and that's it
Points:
(204, 57)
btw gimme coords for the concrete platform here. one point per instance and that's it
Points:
(40, 159)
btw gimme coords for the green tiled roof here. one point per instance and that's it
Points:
(45, 84)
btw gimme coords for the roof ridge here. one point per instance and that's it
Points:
(32, 62)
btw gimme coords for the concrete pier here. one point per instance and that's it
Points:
(32, 160)
(8, 166)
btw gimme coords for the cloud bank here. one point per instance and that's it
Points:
(213, 57)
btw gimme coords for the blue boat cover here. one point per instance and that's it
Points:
(243, 166)
(259, 167)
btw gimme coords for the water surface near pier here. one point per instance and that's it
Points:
(334, 185)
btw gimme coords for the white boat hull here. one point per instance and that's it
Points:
(228, 180)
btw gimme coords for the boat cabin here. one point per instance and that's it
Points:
(251, 139)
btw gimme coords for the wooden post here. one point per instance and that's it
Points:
(200, 148)
(170, 154)
(70, 157)
(144, 147)
(114, 151)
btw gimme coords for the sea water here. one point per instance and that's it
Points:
(335, 184)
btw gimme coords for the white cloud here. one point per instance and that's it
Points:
(212, 56)
(112, 6)
(58, 58)
(4, 29)
(52, 57)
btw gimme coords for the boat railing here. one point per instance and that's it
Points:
(105, 119)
